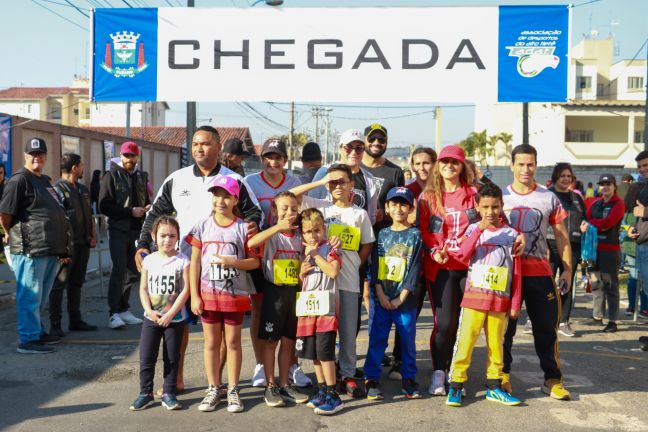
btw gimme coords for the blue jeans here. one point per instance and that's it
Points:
(34, 281)
(632, 285)
(405, 322)
(641, 264)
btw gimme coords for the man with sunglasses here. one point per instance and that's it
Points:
(388, 175)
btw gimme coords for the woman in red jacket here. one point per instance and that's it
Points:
(446, 208)
(606, 214)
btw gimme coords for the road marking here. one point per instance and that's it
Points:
(598, 420)
(536, 378)
(600, 400)
(519, 358)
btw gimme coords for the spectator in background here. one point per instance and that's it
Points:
(233, 154)
(422, 161)
(311, 159)
(37, 231)
(95, 185)
(626, 181)
(407, 175)
(629, 254)
(589, 192)
(2, 179)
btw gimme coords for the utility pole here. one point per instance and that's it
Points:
(128, 110)
(645, 130)
(291, 151)
(191, 110)
(328, 130)
(437, 129)
(317, 111)
(525, 123)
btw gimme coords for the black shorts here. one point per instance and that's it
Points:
(278, 316)
(258, 280)
(320, 347)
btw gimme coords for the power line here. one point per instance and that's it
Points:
(62, 4)
(78, 9)
(377, 107)
(60, 16)
(384, 118)
(127, 4)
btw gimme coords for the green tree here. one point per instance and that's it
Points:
(478, 146)
(299, 140)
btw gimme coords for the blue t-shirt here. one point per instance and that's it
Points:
(396, 262)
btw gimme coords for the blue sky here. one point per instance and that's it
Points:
(42, 49)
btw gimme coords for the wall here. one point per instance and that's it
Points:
(606, 129)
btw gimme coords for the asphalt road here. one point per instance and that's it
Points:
(90, 381)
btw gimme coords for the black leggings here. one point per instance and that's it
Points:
(445, 295)
(152, 334)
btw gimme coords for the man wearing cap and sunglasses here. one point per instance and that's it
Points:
(38, 233)
(233, 154)
(123, 198)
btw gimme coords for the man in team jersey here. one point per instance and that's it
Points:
(531, 209)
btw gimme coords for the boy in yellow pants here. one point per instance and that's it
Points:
(493, 290)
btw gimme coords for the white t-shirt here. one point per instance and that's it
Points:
(265, 193)
(339, 217)
(164, 282)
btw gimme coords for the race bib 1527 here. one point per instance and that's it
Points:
(350, 236)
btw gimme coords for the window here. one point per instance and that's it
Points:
(584, 82)
(638, 136)
(29, 108)
(582, 136)
(55, 111)
(635, 83)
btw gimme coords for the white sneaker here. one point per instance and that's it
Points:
(129, 318)
(566, 330)
(437, 386)
(298, 377)
(234, 403)
(528, 327)
(115, 322)
(259, 379)
(210, 401)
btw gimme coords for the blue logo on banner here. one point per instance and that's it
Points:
(533, 48)
(125, 51)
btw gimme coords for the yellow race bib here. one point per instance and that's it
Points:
(349, 235)
(313, 303)
(391, 268)
(285, 271)
(489, 277)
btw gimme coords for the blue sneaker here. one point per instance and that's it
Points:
(499, 395)
(332, 405)
(141, 402)
(318, 399)
(454, 397)
(170, 402)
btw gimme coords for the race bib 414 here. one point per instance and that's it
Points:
(489, 277)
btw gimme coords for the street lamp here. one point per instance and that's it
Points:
(268, 2)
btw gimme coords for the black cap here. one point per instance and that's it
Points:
(607, 178)
(274, 145)
(35, 145)
(236, 147)
(375, 127)
(311, 152)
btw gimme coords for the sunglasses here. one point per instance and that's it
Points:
(374, 138)
(334, 184)
(357, 149)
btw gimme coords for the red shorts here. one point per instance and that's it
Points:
(227, 318)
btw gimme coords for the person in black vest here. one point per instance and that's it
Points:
(124, 200)
(76, 200)
(38, 233)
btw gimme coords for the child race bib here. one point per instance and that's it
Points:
(489, 277)
(391, 268)
(313, 303)
(349, 235)
(285, 271)
(162, 284)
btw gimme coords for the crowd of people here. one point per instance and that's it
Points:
(302, 255)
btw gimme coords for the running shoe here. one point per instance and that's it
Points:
(611, 327)
(395, 371)
(594, 322)
(272, 396)
(454, 397)
(528, 327)
(48, 339)
(386, 361)
(506, 383)
(34, 348)
(298, 377)
(350, 387)
(210, 401)
(293, 394)
(629, 312)
(115, 322)
(129, 318)
(170, 402)
(373, 390)
(437, 386)
(566, 330)
(555, 389)
(141, 402)
(500, 396)
(410, 389)
(234, 403)
(332, 405)
(259, 379)
(643, 339)
(318, 399)
(643, 313)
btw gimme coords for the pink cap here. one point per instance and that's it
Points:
(230, 185)
(452, 152)
(129, 147)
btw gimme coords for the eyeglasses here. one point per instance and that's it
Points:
(374, 138)
(334, 184)
(357, 149)
(129, 155)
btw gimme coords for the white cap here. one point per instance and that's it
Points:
(351, 135)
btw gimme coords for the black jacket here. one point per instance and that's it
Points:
(120, 192)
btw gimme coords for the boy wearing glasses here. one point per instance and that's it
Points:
(352, 225)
